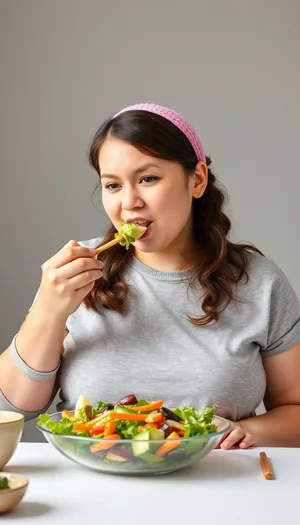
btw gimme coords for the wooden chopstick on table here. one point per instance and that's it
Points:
(266, 466)
(109, 244)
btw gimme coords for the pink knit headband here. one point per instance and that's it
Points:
(176, 119)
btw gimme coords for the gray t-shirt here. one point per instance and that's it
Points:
(156, 353)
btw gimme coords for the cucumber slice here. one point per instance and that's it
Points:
(156, 433)
(140, 443)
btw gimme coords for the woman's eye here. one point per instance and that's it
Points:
(112, 186)
(151, 178)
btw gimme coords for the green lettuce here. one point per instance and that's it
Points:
(127, 429)
(100, 405)
(197, 422)
(65, 426)
(131, 233)
(4, 482)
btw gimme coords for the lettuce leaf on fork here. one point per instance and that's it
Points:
(130, 232)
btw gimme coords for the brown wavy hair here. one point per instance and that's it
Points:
(222, 264)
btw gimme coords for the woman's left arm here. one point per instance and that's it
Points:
(280, 425)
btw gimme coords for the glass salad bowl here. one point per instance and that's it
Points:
(142, 455)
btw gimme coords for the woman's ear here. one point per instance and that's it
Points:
(200, 179)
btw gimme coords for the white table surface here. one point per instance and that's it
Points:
(225, 487)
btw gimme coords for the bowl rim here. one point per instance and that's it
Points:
(21, 478)
(17, 416)
(84, 438)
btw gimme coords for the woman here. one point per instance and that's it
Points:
(185, 314)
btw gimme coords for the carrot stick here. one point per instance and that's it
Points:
(104, 445)
(266, 466)
(110, 428)
(96, 431)
(66, 413)
(82, 426)
(154, 418)
(128, 417)
(149, 425)
(149, 407)
(168, 445)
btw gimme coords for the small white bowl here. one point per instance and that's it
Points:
(9, 498)
(11, 428)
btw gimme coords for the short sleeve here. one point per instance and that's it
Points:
(284, 319)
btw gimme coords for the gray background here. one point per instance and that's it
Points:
(231, 67)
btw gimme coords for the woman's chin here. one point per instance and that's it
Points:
(139, 247)
(147, 245)
(150, 246)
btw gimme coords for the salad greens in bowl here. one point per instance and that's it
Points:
(133, 436)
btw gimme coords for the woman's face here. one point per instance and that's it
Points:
(140, 188)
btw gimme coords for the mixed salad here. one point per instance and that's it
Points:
(140, 421)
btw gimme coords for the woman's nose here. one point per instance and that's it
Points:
(131, 199)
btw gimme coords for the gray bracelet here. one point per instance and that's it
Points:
(27, 370)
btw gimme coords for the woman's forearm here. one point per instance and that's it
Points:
(280, 427)
(40, 344)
